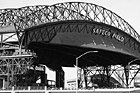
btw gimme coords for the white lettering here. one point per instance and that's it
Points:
(118, 37)
(101, 32)
(104, 32)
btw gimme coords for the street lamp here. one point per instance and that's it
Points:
(132, 61)
(77, 66)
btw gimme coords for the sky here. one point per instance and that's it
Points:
(127, 9)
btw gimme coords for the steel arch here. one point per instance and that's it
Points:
(30, 16)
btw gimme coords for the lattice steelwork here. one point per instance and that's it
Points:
(30, 16)
(11, 66)
(15, 64)
(88, 76)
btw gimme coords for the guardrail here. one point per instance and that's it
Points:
(44, 89)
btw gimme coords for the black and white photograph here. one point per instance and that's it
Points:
(69, 46)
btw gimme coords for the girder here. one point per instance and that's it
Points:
(15, 65)
(30, 16)
(88, 76)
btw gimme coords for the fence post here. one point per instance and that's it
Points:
(46, 91)
(13, 89)
(29, 88)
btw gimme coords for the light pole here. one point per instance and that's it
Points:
(129, 68)
(77, 66)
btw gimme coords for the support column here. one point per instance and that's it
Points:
(103, 77)
(1, 40)
(80, 77)
(85, 77)
(108, 75)
(8, 74)
(126, 71)
(3, 85)
(60, 78)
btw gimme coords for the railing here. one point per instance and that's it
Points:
(45, 89)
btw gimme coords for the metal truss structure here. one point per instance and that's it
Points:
(17, 64)
(89, 76)
(26, 17)
(12, 64)
(30, 16)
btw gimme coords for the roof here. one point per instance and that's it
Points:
(55, 55)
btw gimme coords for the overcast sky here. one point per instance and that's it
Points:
(127, 9)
